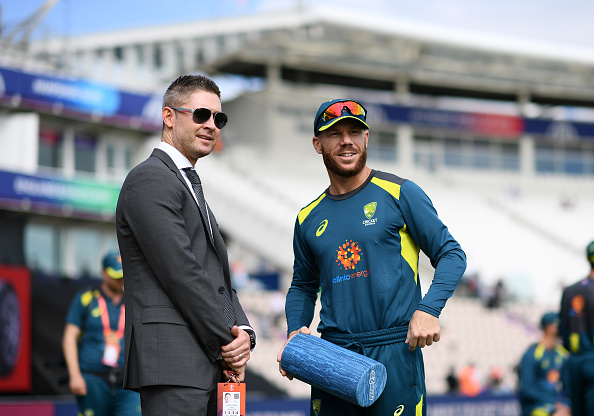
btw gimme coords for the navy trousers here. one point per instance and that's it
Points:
(405, 393)
(581, 376)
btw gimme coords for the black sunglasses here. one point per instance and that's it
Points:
(201, 115)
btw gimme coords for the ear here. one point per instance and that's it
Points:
(167, 114)
(317, 145)
(366, 136)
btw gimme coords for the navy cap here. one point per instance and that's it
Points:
(112, 264)
(321, 125)
(549, 318)
(590, 252)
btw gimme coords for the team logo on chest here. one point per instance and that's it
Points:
(348, 255)
(369, 211)
(577, 306)
(316, 404)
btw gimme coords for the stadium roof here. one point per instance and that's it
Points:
(376, 52)
(330, 46)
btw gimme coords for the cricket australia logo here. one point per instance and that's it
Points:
(316, 404)
(369, 211)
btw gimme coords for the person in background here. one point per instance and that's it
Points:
(92, 343)
(452, 381)
(359, 241)
(577, 332)
(470, 381)
(498, 296)
(496, 384)
(541, 368)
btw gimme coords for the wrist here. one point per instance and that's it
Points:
(252, 334)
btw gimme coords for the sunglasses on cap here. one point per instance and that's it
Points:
(201, 116)
(336, 110)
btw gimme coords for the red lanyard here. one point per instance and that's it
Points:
(105, 319)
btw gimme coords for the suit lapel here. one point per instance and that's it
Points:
(219, 244)
(164, 157)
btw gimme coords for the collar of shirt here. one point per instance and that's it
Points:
(180, 160)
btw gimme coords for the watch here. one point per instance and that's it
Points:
(252, 335)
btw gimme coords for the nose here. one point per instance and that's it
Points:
(346, 139)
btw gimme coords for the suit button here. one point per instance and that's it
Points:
(221, 290)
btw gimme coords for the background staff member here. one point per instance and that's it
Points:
(541, 369)
(93, 342)
(577, 332)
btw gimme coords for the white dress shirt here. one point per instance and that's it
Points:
(182, 163)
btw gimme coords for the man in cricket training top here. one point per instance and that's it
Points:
(543, 379)
(577, 331)
(358, 245)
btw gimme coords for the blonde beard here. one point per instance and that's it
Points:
(335, 168)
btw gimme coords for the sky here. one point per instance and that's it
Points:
(557, 21)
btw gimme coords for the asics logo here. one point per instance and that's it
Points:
(399, 410)
(321, 228)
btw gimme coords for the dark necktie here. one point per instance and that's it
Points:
(197, 187)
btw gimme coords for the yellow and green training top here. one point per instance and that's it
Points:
(362, 250)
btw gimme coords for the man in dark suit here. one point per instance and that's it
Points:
(185, 329)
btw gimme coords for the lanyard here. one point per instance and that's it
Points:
(105, 319)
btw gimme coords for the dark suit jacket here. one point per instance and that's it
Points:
(174, 280)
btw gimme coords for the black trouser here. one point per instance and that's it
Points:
(177, 401)
(180, 400)
(581, 376)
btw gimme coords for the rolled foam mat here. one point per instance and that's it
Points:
(336, 370)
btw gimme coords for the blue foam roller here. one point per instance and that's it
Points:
(352, 377)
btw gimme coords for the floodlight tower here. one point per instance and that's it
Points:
(19, 36)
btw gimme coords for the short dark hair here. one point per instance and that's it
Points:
(183, 86)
